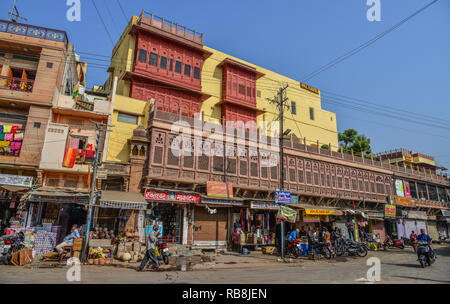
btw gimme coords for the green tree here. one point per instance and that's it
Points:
(350, 139)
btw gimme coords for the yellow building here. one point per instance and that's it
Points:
(145, 61)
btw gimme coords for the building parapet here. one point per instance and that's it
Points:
(33, 31)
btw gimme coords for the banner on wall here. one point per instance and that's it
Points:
(219, 189)
(16, 180)
(171, 196)
(399, 187)
(407, 189)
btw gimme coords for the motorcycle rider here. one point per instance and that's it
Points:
(423, 237)
(294, 235)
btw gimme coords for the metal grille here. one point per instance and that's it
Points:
(292, 175)
(254, 169)
(300, 176)
(203, 162)
(157, 155)
(339, 182)
(231, 166)
(274, 172)
(243, 168)
(172, 160)
(188, 161)
(264, 172)
(308, 178)
(218, 163)
(316, 178)
(70, 183)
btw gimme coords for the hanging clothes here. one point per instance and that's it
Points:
(69, 158)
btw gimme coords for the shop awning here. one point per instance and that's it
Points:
(357, 212)
(445, 212)
(122, 200)
(317, 210)
(15, 188)
(58, 195)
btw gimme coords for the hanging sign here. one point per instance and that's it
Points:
(287, 214)
(282, 197)
(390, 211)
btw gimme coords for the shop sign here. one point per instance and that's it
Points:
(390, 211)
(432, 218)
(171, 196)
(418, 215)
(219, 189)
(59, 199)
(16, 180)
(445, 213)
(403, 201)
(309, 88)
(399, 187)
(282, 197)
(310, 218)
(320, 212)
(294, 199)
(264, 205)
(372, 214)
(287, 214)
(222, 202)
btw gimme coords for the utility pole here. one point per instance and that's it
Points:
(280, 102)
(15, 13)
(92, 194)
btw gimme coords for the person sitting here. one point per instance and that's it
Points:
(68, 240)
(294, 235)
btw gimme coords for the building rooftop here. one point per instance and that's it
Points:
(33, 31)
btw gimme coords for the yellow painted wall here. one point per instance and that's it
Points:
(118, 147)
(322, 128)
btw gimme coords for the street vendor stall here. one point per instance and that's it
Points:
(256, 226)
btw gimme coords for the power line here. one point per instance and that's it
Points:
(364, 45)
(111, 16)
(123, 12)
(103, 22)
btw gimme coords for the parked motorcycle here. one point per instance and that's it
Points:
(393, 243)
(425, 254)
(407, 242)
(322, 249)
(9, 244)
(352, 248)
(441, 238)
(162, 251)
(293, 248)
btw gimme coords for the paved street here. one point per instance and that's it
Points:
(397, 266)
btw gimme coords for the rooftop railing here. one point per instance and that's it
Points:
(170, 26)
(300, 144)
(33, 31)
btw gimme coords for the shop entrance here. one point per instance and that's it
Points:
(169, 216)
(210, 229)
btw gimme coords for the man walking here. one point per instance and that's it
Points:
(150, 250)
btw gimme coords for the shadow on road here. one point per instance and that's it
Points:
(403, 265)
(423, 279)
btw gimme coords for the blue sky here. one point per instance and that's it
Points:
(409, 69)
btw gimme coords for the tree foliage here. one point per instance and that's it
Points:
(351, 140)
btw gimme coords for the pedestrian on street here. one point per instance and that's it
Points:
(414, 242)
(150, 249)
